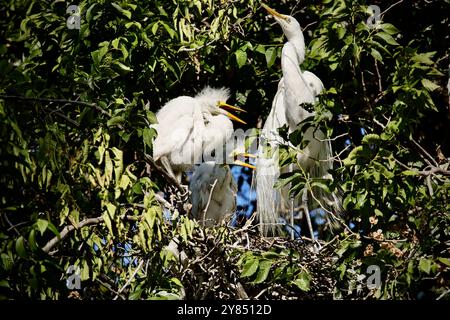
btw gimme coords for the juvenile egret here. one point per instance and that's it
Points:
(295, 87)
(213, 193)
(189, 127)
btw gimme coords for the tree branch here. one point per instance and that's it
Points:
(82, 103)
(65, 232)
(129, 280)
(434, 171)
(67, 229)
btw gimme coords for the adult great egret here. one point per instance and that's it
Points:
(295, 87)
(189, 127)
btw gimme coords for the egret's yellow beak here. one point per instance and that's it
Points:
(229, 106)
(242, 163)
(224, 105)
(244, 154)
(273, 12)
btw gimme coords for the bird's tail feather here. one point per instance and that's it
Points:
(268, 198)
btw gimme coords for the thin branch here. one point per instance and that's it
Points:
(107, 286)
(184, 49)
(12, 226)
(129, 280)
(434, 171)
(65, 232)
(380, 86)
(164, 202)
(67, 229)
(425, 152)
(333, 139)
(82, 103)
(63, 116)
(209, 201)
(384, 12)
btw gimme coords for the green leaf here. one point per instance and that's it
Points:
(176, 281)
(172, 33)
(4, 283)
(148, 134)
(135, 295)
(107, 220)
(429, 85)
(371, 138)
(122, 66)
(115, 121)
(42, 225)
(20, 247)
(126, 13)
(89, 12)
(84, 271)
(321, 185)
(376, 54)
(445, 261)
(303, 281)
(425, 265)
(241, 58)
(352, 156)
(250, 268)
(32, 240)
(410, 173)
(271, 55)
(387, 38)
(424, 58)
(7, 262)
(111, 209)
(389, 28)
(53, 229)
(263, 271)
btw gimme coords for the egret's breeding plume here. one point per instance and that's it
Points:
(213, 193)
(294, 89)
(189, 127)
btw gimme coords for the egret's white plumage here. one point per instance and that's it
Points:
(189, 126)
(295, 88)
(213, 193)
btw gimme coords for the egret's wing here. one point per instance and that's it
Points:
(171, 138)
(176, 129)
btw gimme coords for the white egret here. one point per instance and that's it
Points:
(189, 127)
(295, 87)
(213, 193)
(448, 83)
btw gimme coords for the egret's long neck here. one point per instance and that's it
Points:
(299, 44)
(296, 88)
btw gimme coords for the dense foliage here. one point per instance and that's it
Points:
(78, 187)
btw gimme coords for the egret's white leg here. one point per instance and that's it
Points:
(306, 210)
(308, 220)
